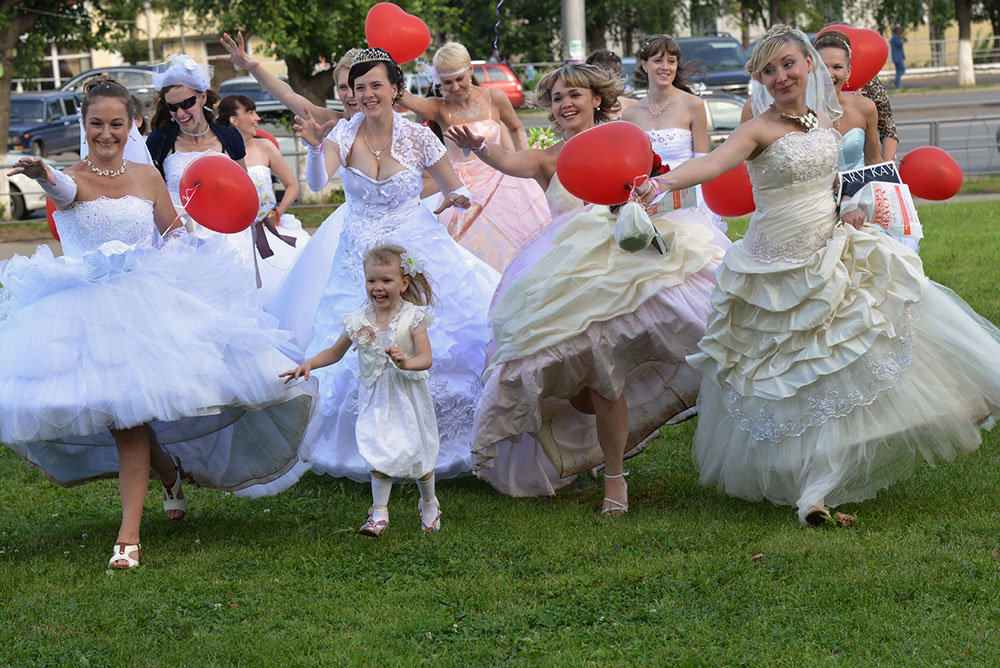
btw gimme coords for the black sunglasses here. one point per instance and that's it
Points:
(183, 104)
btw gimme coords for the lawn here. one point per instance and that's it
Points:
(687, 578)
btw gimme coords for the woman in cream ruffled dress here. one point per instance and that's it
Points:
(587, 356)
(831, 362)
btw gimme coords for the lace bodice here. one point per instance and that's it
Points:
(852, 153)
(561, 200)
(673, 145)
(261, 177)
(372, 359)
(413, 146)
(86, 226)
(793, 190)
(174, 166)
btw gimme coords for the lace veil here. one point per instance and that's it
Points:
(821, 96)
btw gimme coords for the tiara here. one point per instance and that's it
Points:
(846, 46)
(372, 55)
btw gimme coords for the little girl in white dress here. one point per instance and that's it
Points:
(396, 429)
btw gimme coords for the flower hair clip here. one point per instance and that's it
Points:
(411, 265)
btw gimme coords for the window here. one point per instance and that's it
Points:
(725, 113)
(55, 109)
(494, 73)
(70, 105)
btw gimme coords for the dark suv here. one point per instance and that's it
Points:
(718, 62)
(44, 122)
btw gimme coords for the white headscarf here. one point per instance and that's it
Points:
(821, 96)
(181, 70)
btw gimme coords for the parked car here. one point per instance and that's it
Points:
(719, 63)
(499, 75)
(723, 111)
(137, 78)
(44, 122)
(25, 194)
(266, 103)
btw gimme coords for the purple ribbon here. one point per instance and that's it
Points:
(496, 31)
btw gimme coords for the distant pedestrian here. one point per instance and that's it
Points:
(898, 58)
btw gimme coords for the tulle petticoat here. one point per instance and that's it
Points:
(125, 336)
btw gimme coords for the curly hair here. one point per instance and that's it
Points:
(161, 115)
(579, 75)
(391, 255)
(657, 45)
(777, 37)
(106, 86)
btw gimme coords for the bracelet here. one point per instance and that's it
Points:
(482, 147)
(655, 186)
(315, 149)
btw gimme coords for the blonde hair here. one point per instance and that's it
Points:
(578, 75)
(345, 62)
(451, 57)
(775, 39)
(391, 255)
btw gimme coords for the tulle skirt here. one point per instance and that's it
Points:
(574, 311)
(828, 380)
(125, 336)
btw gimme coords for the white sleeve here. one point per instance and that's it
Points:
(316, 176)
(63, 192)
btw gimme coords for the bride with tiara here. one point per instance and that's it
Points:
(383, 156)
(831, 362)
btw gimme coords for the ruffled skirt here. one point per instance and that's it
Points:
(126, 336)
(825, 381)
(574, 311)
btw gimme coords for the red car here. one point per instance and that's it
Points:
(499, 75)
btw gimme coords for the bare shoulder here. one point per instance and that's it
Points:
(690, 100)
(634, 113)
(864, 104)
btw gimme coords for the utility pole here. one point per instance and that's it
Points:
(574, 30)
(149, 31)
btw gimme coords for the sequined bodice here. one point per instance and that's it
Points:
(793, 191)
(561, 200)
(174, 166)
(261, 177)
(673, 145)
(85, 226)
(852, 154)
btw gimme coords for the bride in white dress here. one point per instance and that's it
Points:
(123, 354)
(831, 362)
(380, 157)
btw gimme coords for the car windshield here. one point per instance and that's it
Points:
(721, 55)
(27, 110)
(252, 90)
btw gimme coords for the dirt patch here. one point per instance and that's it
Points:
(25, 232)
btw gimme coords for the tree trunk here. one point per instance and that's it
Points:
(313, 87)
(11, 35)
(745, 20)
(966, 71)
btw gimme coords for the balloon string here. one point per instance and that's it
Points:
(496, 31)
(185, 199)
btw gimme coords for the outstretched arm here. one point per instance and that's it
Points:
(529, 164)
(455, 193)
(331, 355)
(276, 87)
(740, 146)
(323, 157)
(427, 108)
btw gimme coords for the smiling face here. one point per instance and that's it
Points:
(574, 107)
(661, 68)
(836, 61)
(457, 86)
(785, 76)
(384, 283)
(344, 92)
(107, 125)
(245, 120)
(373, 91)
(191, 119)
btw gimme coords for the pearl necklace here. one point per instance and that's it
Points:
(106, 172)
(378, 153)
(809, 120)
(197, 134)
(656, 113)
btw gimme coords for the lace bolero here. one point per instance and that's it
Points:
(408, 319)
(87, 225)
(413, 146)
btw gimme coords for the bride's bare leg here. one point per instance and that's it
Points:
(612, 433)
(162, 463)
(133, 480)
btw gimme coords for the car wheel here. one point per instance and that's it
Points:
(38, 149)
(17, 209)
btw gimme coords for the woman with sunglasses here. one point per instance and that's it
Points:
(184, 130)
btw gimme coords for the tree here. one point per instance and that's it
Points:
(989, 10)
(966, 70)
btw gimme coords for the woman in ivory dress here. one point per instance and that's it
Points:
(587, 357)
(506, 210)
(831, 362)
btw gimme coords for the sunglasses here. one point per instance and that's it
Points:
(183, 104)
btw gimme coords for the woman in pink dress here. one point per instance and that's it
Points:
(506, 210)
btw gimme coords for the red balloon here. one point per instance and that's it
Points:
(264, 134)
(50, 208)
(219, 194)
(869, 51)
(931, 173)
(601, 164)
(403, 35)
(730, 194)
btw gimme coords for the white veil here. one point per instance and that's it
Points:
(821, 96)
(135, 147)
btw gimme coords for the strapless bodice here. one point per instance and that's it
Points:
(261, 177)
(561, 200)
(673, 145)
(852, 153)
(86, 226)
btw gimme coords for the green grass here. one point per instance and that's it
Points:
(286, 581)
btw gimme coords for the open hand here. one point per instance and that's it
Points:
(33, 168)
(308, 130)
(300, 371)
(464, 137)
(237, 52)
